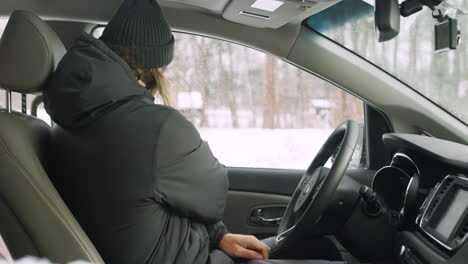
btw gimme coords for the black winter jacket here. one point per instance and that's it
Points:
(136, 175)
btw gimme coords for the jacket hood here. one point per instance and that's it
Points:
(90, 81)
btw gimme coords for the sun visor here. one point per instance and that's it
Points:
(273, 13)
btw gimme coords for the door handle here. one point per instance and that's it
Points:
(258, 217)
(270, 220)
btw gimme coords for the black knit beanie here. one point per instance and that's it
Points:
(139, 28)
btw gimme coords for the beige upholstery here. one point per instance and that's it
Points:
(29, 51)
(34, 220)
(27, 191)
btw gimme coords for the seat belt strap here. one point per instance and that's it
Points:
(4, 253)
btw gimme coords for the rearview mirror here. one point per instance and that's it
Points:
(387, 19)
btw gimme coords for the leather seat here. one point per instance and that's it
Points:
(34, 220)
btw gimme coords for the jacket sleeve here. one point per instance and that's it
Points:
(216, 233)
(189, 180)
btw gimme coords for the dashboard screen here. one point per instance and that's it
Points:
(451, 214)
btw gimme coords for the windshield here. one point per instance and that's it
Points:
(410, 57)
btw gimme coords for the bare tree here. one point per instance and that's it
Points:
(269, 100)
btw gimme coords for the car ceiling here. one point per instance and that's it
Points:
(217, 18)
(289, 10)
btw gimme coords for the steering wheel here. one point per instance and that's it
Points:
(317, 186)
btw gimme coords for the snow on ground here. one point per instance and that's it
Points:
(265, 148)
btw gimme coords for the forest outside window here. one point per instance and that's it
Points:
(254, 109)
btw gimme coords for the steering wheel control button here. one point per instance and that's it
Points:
(317, 189)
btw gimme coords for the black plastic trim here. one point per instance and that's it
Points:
(377, 124)
(272, 181)
(280, 182)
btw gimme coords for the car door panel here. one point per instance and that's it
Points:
(251, 191)
(241, 205)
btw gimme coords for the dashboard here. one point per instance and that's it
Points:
(426, 188)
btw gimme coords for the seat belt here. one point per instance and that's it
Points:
(4, 253)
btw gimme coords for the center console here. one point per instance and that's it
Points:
(444, 214)
(442, 226)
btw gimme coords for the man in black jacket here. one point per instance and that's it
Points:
(137, 176)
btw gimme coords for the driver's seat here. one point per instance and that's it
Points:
(34, 220)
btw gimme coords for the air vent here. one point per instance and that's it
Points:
(464, 230)
(445, 186)
(432, 206)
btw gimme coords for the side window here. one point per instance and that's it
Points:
(253, 109)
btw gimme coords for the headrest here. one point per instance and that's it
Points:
(29, 53)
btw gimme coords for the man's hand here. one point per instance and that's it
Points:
(241, 246)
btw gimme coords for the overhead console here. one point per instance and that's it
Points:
(273, 13)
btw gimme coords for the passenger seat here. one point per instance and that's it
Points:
(34, 220)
